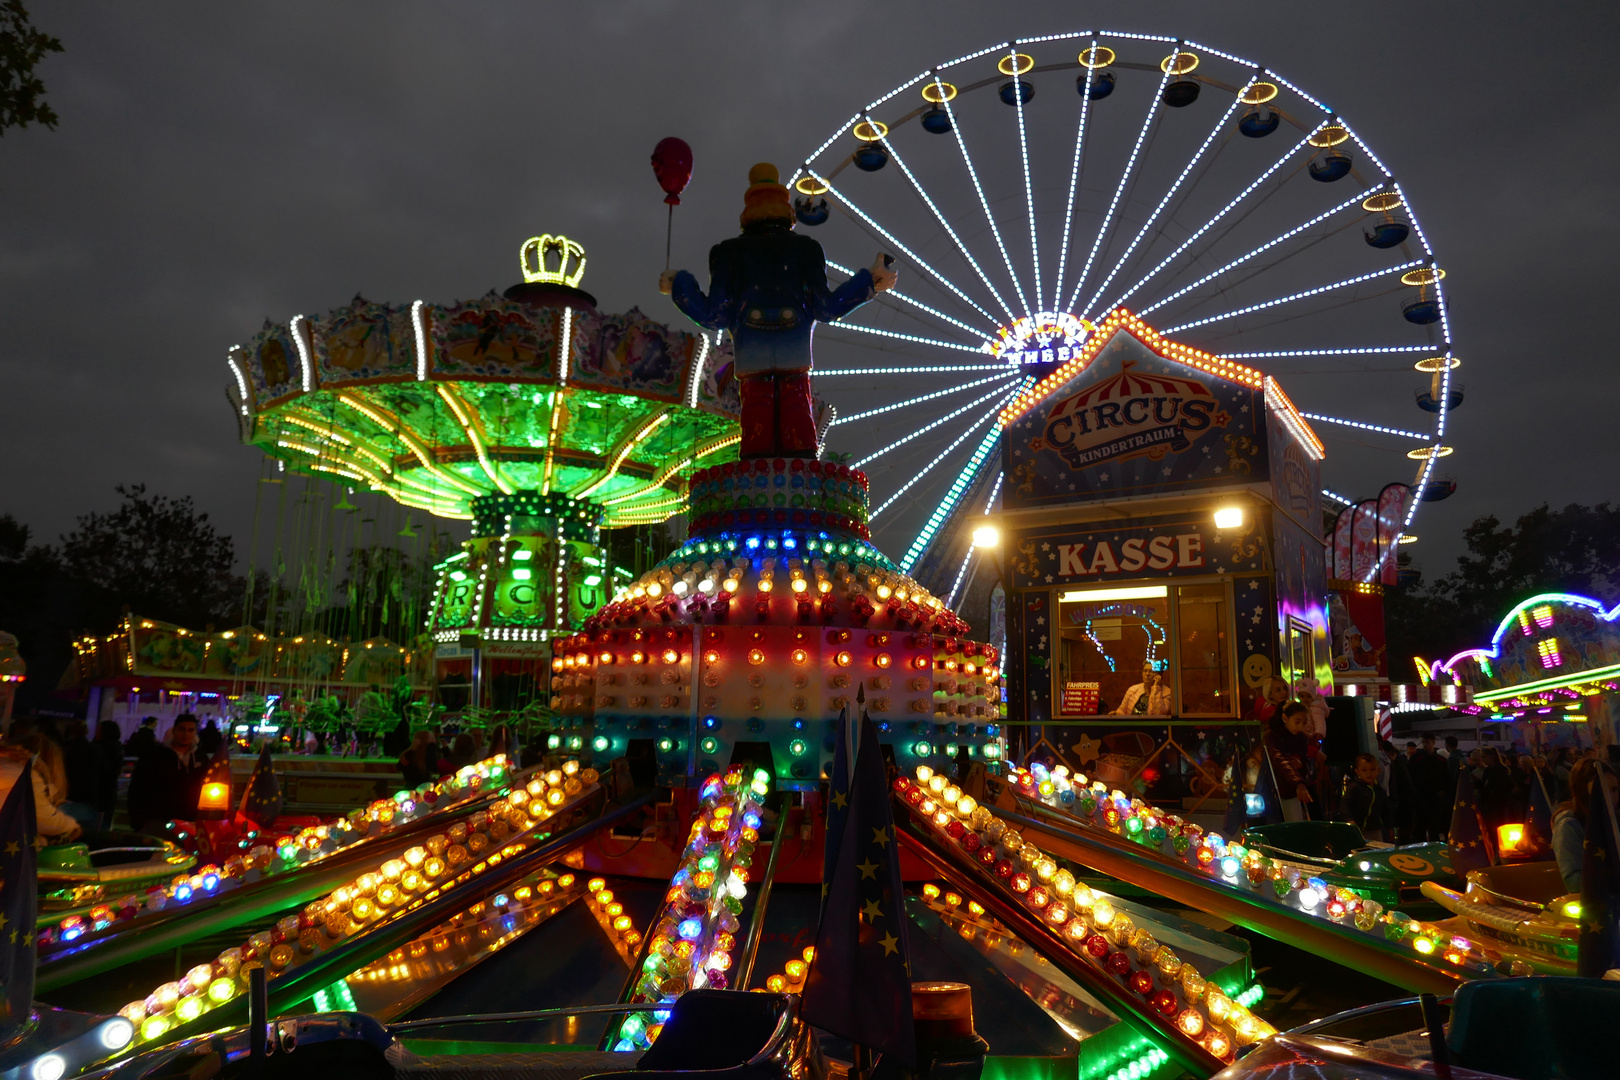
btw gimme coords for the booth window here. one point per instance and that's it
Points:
(1144, 650)
(1204, 649)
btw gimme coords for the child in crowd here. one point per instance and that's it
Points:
(1365, 803)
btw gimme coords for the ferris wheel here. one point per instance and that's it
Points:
(1030, 188)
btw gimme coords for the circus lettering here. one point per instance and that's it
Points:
(1129, 415)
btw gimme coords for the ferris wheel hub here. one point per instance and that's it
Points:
(1045, 337)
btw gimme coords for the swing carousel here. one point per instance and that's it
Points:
(529, 414)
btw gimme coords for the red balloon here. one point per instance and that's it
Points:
(672, 164)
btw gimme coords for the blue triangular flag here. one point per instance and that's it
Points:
(19, 902)
(837, 800)
(860, 982)
(1467, 836)
(261, 801)
(1600, 886)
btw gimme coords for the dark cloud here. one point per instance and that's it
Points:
(218, 165)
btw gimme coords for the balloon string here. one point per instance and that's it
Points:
(669, 231)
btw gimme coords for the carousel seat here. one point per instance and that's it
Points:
(1538, 1028)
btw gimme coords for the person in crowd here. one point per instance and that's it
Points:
(1456, 762)
(109, 748)
(167, 781)
(463, 751)
(23, 744)
(82, 769)
(502, 741)
(1562, 762)
(144, 739)
(1569, 822)
(209, 739)
(1432, 812)
(1495, 789)
(398, 740)
(420, 763)
(1399, 785)
(1287, 748)
(1366, 803)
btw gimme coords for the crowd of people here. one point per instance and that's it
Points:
(1407, 796)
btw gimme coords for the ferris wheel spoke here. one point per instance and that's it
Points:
(1302, 295)
(926, 428)
(884, 298)
(840, 324)
(1192, 163)
(1269, 244)
(891, 238)
(1213, 221)
(961, 571)
(933, 207)
(960, 486)
(820, 373)
(984, 202)
(919, 399)
(1315, 312)
(1224, 287)
(1029, 190)
(1074, 180)
(1119, 191)
(988, 417)
(1360, 426)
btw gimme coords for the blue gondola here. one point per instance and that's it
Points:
(1387, 234)
(1259, 121)
(810, 211)
(1014, 91)
(870, 157)
(1179, 93)
(1428, 402)
(1331, 166)
(1421, 310)
(936, 121)
(1437, 489)
(1102, 84)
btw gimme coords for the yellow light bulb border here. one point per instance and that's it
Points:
(938, 92)
(1431, 365)
(1381, 202)
(870, 131)
(1259, 93)
(1097, 57)
(1423, 275)
(1016, 64)
(1179, 63)
(1330, 136)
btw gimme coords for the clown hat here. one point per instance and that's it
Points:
(766, 198)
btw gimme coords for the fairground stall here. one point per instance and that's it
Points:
(1161, 516)
(1549, 675)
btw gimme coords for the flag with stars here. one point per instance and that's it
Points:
(1599, 948)
(1467, 836)
(19, 846)
(261, 801)
(837, 802)
(860, 982)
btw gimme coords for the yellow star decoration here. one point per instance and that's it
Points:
(890, 944)
(12, 847)
(868, 869)
(40, 843)
(840, 800)
(28, 938)
(871, 910)
(880, 837)
(3, 920)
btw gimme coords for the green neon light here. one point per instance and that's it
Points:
(1594, 675)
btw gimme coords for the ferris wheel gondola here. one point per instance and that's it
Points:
(1025, 217)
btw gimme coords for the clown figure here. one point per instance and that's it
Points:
(768, 287)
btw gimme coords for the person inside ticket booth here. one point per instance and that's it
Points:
(1150, 697)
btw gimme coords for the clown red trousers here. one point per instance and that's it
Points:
(776, 415)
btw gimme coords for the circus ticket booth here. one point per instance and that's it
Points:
(1162, 555)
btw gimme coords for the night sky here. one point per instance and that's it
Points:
(216, 165)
